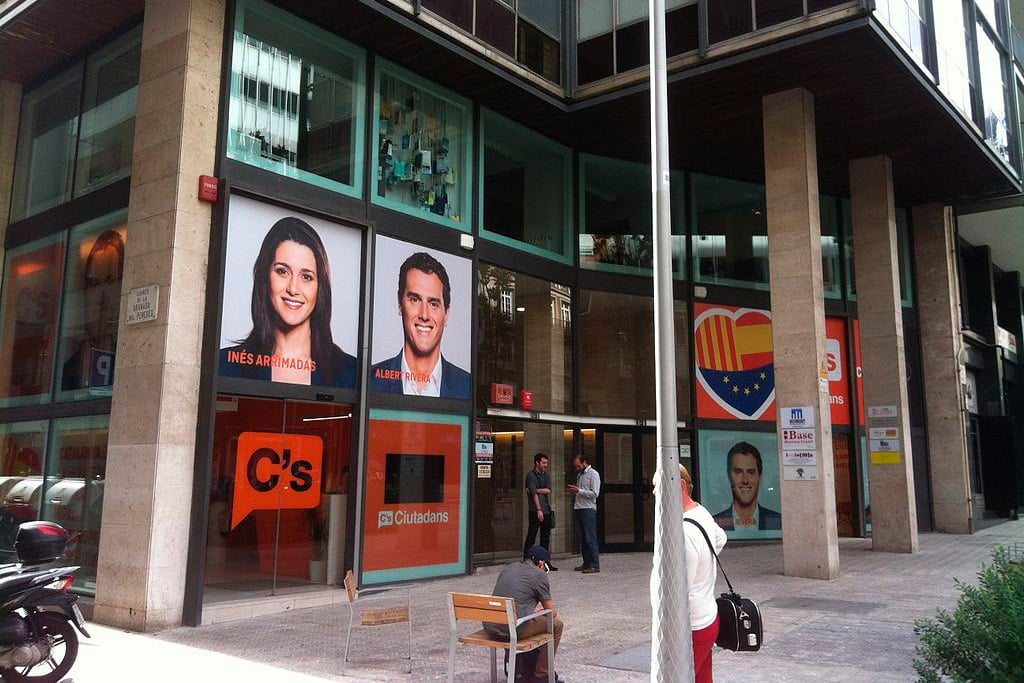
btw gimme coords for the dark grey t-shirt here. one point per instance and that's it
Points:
(535, 480)
(526, 584)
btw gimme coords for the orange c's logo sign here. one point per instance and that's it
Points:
(276, 471)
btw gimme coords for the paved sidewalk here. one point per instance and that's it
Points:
(856, 628)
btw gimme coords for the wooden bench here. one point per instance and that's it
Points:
(382, 616)
(492, 609)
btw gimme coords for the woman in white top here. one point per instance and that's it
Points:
(701, 573)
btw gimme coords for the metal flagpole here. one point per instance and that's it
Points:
(671, 643)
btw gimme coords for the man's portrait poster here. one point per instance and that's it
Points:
(739, 482)
(292, 288)
(421, 321)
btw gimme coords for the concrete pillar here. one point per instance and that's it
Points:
(147, 505)
(890, 465)
(810, 542)
(10, 114)
(938, 317)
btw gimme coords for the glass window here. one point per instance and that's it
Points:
(615, 217)
(22, 449)
(459, 12)
(296, 103)
(424, 138)
(545, 14)
(728, 19)
(730, 232)
(500, 518)
(108, 114)
(539, 51)
(617, 361)
(681, 33)
(903, 254)
(632, 46)
(525, 337)
(92, 295)
(526, 181)
(829, 211)
(46, 145)
(906, 19)
(770, 12)
(496, 25)
(951, 43)
(75, 474)
(994, 93)
(28, 315)
(596, 17)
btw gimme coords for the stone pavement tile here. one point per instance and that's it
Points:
(858, 627)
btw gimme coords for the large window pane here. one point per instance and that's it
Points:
(526, 180)
(730, 240)
(539, 52)
(424, 136)
(108, 114)
(951, 45)
(681, 33)
(22, 449)
(728, 19)
(500, 522)
(496, 25)
(46, 145)
(29, 314)
(296, 99)
(596, 17)
(544, 13)
(75, 475)
(92, 293)
(615, 217)
(903, 254)
(994, 93)
(459, 12)
(829, 211)
(617, 334)
(906, 19)
(771, 12)
(525, 337)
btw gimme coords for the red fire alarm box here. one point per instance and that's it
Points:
(526, 400)
(502, 394)
(209, 188)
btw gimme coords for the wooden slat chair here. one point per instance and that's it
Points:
(382, 616)
(493, 609)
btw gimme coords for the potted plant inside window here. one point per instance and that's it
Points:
(318, 538)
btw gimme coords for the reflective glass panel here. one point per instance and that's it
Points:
(617, 361)
(525, 339)
(92, 295)
(296, 104)
(28, 320)
(22, 449)
(730, 232)
(75, 476)
(953, 56)
(46, 144)
(994, 93)
(108, 114)
(500, 519)
(526, 181)
(423, 149)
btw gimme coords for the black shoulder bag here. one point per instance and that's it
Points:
(739, 627)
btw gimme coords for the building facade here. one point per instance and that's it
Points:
(293, 288)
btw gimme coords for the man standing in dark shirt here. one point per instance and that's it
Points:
(539, 514)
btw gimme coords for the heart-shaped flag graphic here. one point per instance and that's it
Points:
(734, 359)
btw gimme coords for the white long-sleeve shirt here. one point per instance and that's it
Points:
(701, 568)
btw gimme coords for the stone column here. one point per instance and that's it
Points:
(151, 453)
(939, 322)
(810, 543)
(890, 465)
(10, 114)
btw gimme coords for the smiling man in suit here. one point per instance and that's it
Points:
(419, 369)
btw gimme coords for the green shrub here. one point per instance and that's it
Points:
(983, 640)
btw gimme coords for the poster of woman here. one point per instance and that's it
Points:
(291, 297)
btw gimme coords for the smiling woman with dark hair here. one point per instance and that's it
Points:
(291, 338)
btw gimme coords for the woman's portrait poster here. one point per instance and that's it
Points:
(292, 288)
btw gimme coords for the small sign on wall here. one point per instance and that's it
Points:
(143, 303)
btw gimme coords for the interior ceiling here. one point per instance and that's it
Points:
(1002, 230)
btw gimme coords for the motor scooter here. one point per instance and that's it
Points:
(38, 614)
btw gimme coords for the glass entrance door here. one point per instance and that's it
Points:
(278, 497)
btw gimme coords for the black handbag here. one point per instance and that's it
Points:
(740, 628)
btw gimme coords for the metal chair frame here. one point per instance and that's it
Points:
(357, 602)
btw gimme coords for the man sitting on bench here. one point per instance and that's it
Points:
(527, 583)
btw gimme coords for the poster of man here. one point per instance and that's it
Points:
(424, 350)
(740, 482)
(291, 297)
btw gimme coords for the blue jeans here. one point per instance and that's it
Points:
(586, 524)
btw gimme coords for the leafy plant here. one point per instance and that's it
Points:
(983, 639)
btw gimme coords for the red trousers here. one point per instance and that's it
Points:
(703, 640)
